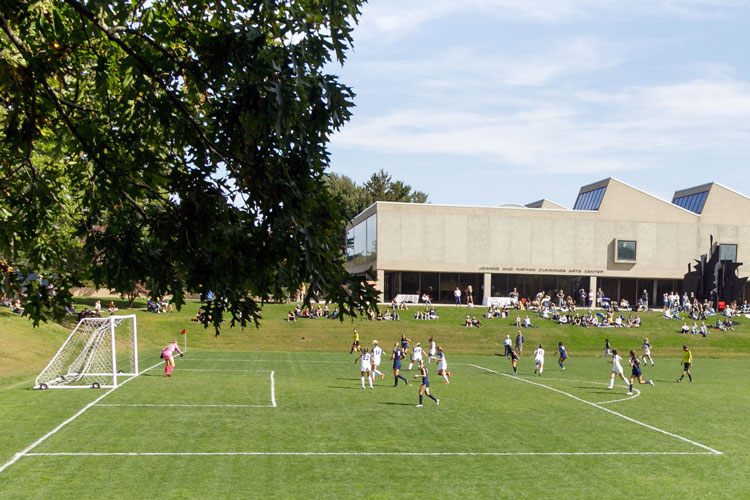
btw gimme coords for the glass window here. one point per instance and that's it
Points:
(590, 200)
(625, 251)
(372, 235)
(728, 252)
(692, 202)
(350, 244)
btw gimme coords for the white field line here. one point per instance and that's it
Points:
(150, 405)
(273, 391)
(595, 405)
(363, 454)
(260, 360)
(54, 431)
(637, 392)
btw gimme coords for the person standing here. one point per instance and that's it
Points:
(425, 387)
(635, 364)
(616, 369)
(377, 353)
(539, 360)
(167, 356)
(647, 351)
(432, 351)
(470, 296)
(457, 296)
(519, 342)
(365, 368)
(355, 342)
(607, 349)
(687, 363)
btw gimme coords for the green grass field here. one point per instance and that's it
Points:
(279, 412)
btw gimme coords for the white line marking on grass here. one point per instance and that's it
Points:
(149, 405)
(637, 391)
(273, 391)
(603, 409)
(201, 370)
(54, 431)
(363, 454)
(261, 360)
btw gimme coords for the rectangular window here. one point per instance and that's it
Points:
(625, 251)
(590, 200)
(728, 252)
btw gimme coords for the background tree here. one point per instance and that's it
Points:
(178, 144)
(379, 187)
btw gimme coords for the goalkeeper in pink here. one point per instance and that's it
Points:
(166, 354)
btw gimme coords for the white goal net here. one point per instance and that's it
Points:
(100, 352)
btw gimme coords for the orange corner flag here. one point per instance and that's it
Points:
(182, 332)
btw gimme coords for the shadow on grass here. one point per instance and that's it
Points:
(396, 404)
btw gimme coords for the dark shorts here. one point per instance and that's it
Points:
(397, 366)
(426, 382)
(687, 366)
(637, 373)
(564, 356)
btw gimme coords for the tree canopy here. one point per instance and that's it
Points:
(181, 144)
(379, 187)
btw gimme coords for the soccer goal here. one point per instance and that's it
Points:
(100, 352)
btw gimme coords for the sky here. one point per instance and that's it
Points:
(488, 102)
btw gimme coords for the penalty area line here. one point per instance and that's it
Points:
(595, 405)
(365, 454)
(25, 452)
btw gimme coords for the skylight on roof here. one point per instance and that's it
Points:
(693, 202)
(590, 200)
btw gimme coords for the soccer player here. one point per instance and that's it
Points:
(514, 360)
(416, 356)
(425, 387)
(616, 369)
(635, 364)
(376, 352)
(563, 354)
(647, 351)
(432, 351)
(397, 355)
(355, 343)
(687, 362)
(443, 365)
(508, 345)
(166, 355)
(405, 344)
(365, 366)
(607, 349)
(539, 360)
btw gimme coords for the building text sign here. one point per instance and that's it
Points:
(544, 270)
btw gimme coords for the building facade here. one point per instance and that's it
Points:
(616, 237)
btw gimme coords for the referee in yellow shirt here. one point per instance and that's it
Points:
(687, 362)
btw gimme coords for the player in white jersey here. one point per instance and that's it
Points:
(539, 360)
(616, 369)
(647, 352)
(432, 351)
(442, 365)
(365, 366)
(416, 355)
(377, 352)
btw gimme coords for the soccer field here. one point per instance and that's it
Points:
(233, 424)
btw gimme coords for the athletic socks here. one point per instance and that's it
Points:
(431, 397)
(514, 371)
(166, 370)
(541, 369)
(402, 378)
(410, 365)
(561, 365)
(370, 380)
(420, 400)
(363, 381)
(445, 376)
(631, 387)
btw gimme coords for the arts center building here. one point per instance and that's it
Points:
(616, 237)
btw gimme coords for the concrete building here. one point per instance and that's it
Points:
(616, 237)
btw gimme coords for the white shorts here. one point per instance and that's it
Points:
(647, 352)
(416, 359)
(432, 352)
(539, 361)
(617, 369)
(376, 361)
(442, 366)
(365, 368)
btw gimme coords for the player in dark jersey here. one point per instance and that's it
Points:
(425, 387)
(563, 354)
(513, 357)
(397, 355)
(635, 364)
(404, 344)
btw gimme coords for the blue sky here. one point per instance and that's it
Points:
(485, 102)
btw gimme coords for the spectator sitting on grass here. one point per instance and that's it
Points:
(290, 316)
(17, 308)
(476, 323)
(728, 325)
(467, 321)
(527, 322)
(684, 328)
(112, 308)
(4, 302)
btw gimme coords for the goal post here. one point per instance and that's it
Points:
(99, 352)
